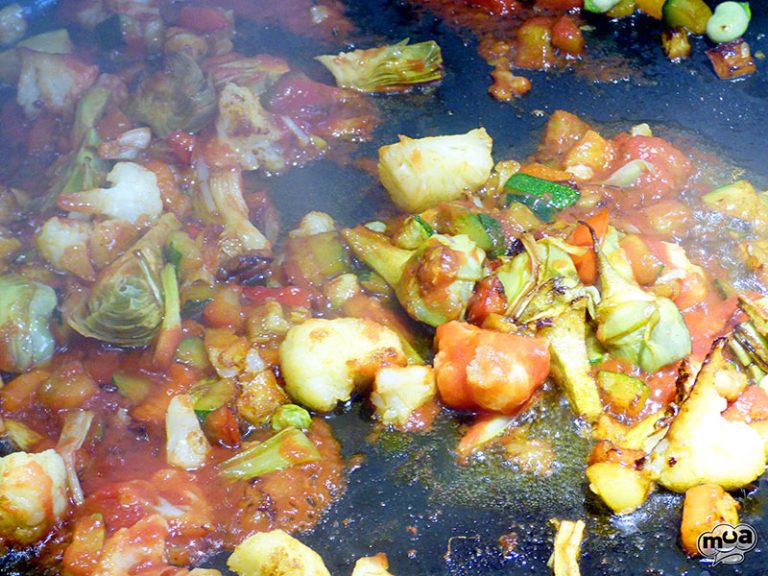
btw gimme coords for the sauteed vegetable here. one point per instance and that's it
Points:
(172, 361)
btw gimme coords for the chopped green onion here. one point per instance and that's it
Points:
(729, 21)
(285, 449)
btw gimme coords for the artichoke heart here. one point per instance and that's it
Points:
(439, 278)
(183, 98)
(633, 324)
(25, 312)
(125, 305)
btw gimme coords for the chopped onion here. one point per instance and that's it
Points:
(628, 174)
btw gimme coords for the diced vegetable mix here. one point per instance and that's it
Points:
(171, 359)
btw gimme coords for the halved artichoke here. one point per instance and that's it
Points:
(125, 305)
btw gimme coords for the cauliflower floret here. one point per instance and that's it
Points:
(275, 553)
(134, 194)
(33, 494)
(399, 391)
(142, 544)
(372, 566)
(420, 173)
(55, 80)
(65, 244)
(324, 360)
(187, 446)
(314, 223)
(249, 129)
(702, 447)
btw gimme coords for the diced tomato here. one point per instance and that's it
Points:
(101, 364)
(663, 385)
(707, 320)
(216, 153)
(113, 124)
(225, 309)
(203, 19)
(83, 553)
(182, 144)
(12, 122)
(750, 406)
(546, 172)
(286, 295)
(567, 37)
(40, 137)
(170, 191)
(483, 369)
(122, 504)
(672, 168)
(586, 265)
(298, 96)
(559, 5)
(488, 298)
(534, 44)
(497, 7)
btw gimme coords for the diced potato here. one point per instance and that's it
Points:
(275, 553)
(261, 395)
(323, 361)
(420, 173)
(33, 494)
(705, 507)
(621, 488)
(187, 447)
(372, 566)
(593, 151)
(398, 391)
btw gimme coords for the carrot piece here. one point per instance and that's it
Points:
(221, 426)
(586, 265)
(20, 391)
(546, 172)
